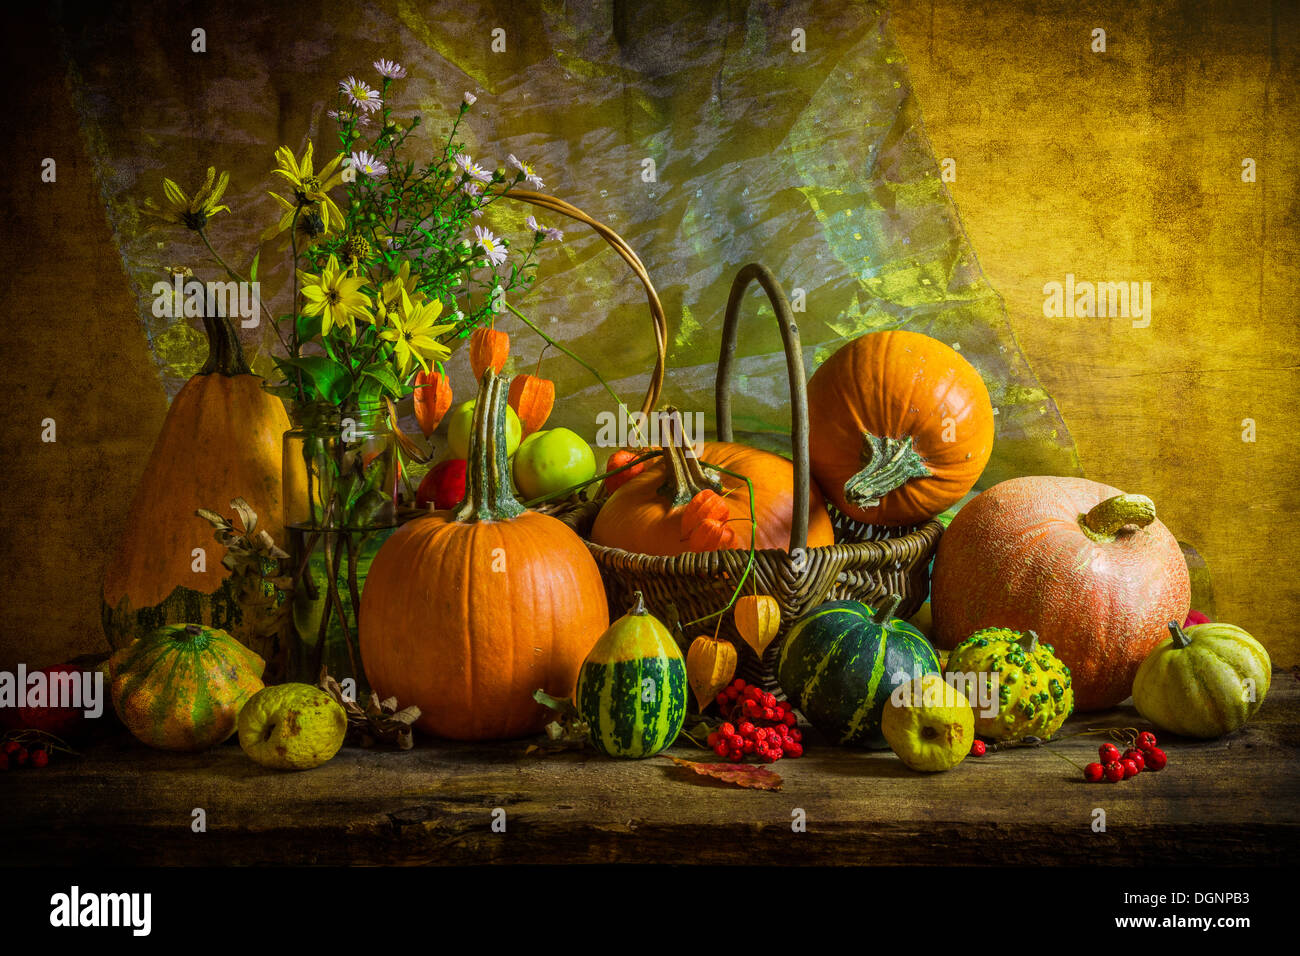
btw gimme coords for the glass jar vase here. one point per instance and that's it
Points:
(341, 474)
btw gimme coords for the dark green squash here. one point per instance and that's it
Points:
(632, 687)
(840, 663)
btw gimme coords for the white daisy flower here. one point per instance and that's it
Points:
(473, 168)
(530, 174)
(390, 68)
(470, 99)
(361, 94)
(372, 166)
(492, 247)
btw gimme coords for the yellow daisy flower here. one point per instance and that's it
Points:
(414, 334)
(191, 212)
(309, 186)
(311, 225)
(335, 297)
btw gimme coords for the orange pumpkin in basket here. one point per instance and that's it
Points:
(645, 515)
(900, 427)
(465, 614)
(1088, 569)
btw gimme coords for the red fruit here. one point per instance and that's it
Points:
(1135, 756)
(727, 730)
(794, 750)
(1195, 617)
(19, 756)
(1114, 772)
(1146, 740)
(721, 749)
(1156, 759)
(60, 721)
(10, 747)
(444, 485)
(40, 758)
(614, 482)
(1109, 753)
(1130, 768)
(977, 749)
(1093, 772)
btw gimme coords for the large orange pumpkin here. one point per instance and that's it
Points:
(900, 427)
(1087, 568)
(644, 515)
(221, 440)
(467, 613)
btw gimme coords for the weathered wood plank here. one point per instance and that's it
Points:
(1232, 802)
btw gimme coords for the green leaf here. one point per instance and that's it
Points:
(388, 381)
(252, 270)
(331, 379)
(307, 327)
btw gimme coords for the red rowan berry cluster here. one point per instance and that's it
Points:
(758, 725)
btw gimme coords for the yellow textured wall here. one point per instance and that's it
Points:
(1126, 166)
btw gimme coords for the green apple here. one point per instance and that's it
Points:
(461, 424)
(929, 724)
(551, 460)
(292, 727)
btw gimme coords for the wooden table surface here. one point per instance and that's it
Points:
(1230, 802)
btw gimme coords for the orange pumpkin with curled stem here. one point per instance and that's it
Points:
(467, 613)
(900, 427)
(644, 516)
(1089, 569)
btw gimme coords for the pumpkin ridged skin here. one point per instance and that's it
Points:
(467, 613)
(639, 519)
(221, 439)
(898, 384)
(609, 697)
(1016, 556)
(1199, 690)
(1035, 690)
(838, 666)
(182, 687)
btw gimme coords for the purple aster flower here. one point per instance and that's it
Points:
(390, 68)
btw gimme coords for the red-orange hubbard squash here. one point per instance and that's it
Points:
(1087, 568)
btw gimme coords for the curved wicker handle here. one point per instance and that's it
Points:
(798, 387)
(544, 201)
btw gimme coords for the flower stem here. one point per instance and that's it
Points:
(753, 542)
(524, 319)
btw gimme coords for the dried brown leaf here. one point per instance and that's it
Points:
(746, 775)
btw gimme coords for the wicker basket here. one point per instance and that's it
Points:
(865, 564)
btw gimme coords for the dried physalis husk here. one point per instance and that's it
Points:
(758, 618)
(710, 666)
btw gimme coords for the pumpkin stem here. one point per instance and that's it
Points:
(225, 354)
(885, 613)
(888, 463)
(688, 477)
(1180, 637)
(1029, 641)
(638, 607)
(487, 494)
(1108, 518)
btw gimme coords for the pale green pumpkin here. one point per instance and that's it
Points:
(1205, 681)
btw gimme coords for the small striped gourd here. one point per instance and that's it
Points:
(632, 687)
(840, 663)
(182, 687)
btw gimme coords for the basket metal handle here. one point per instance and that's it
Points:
(798, 386)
